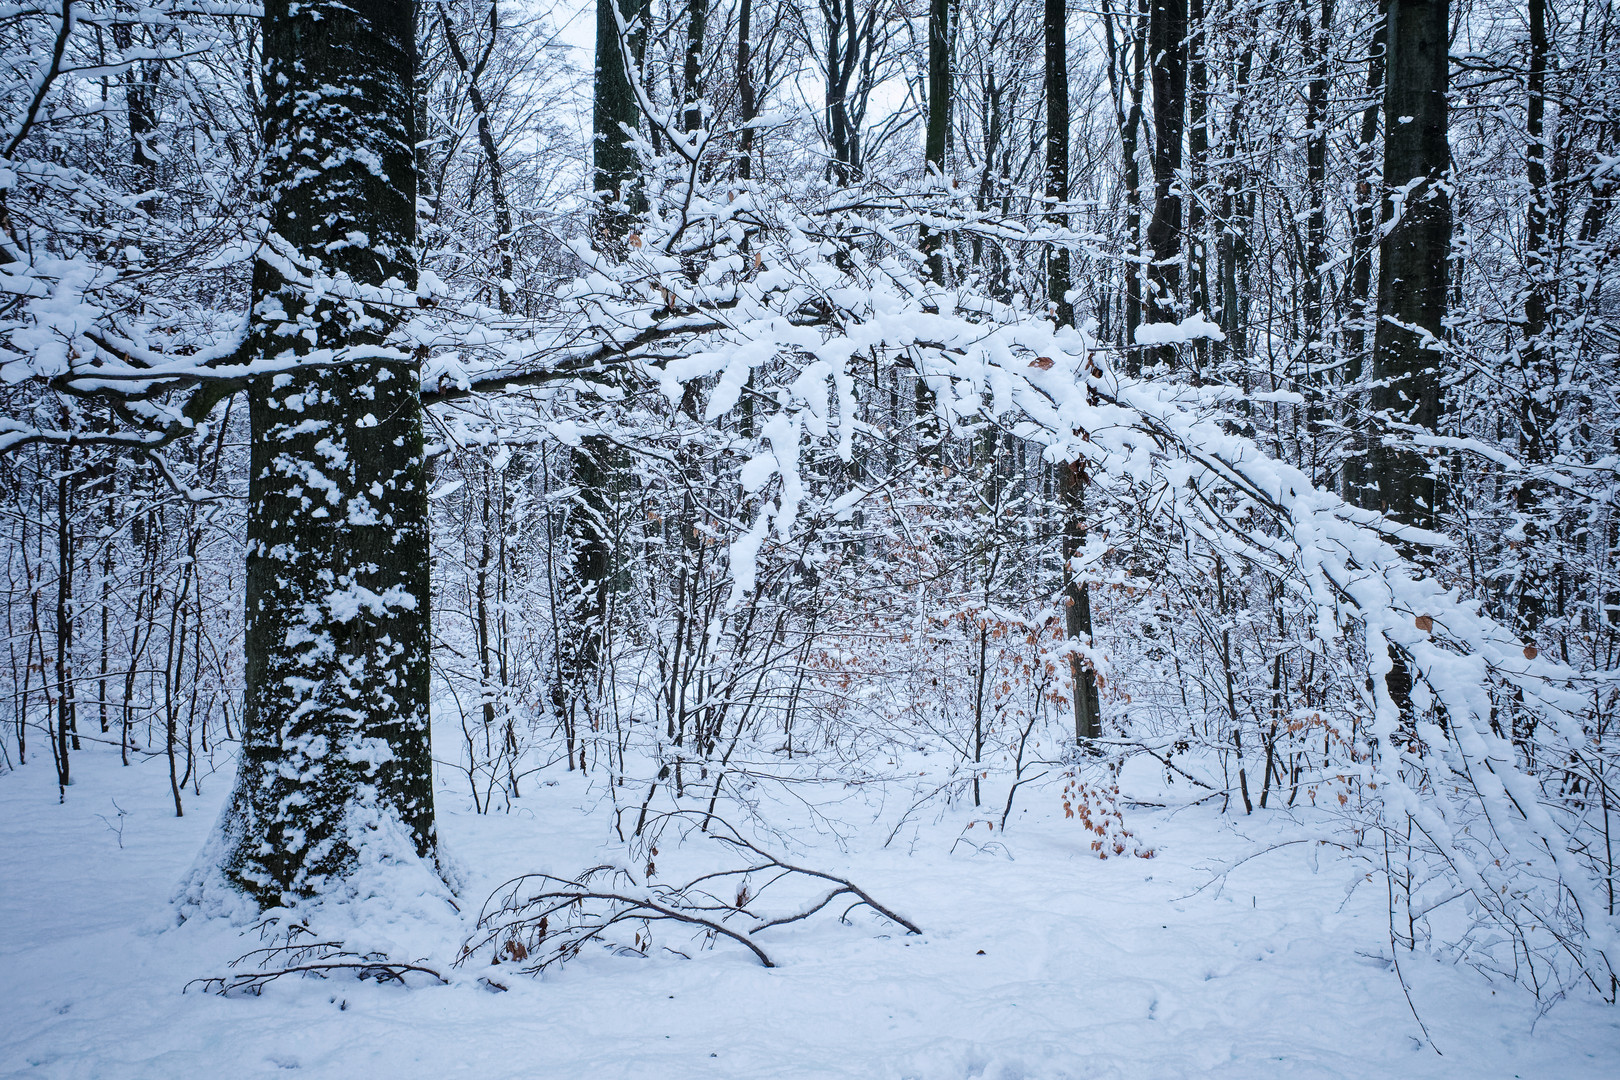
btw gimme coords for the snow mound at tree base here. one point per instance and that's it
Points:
(393, 902)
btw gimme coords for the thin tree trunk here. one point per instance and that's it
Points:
(481, 613)
(140, 91)
(67, 735)
(492, 154)
(1233, 246)
(103, 642)
(1057, 154)
(1363, 242)
(1127, 68)
(1071, 475)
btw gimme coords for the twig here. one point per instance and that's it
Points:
(254, 981)
(551, 924)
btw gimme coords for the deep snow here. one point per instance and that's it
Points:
(1038, 962)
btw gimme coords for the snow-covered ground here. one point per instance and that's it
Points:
(1038, 962)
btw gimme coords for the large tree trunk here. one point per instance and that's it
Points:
(1414, 258)
(597, 462)
(1197, 174)
(1314, 41)
(597, 466)
(1537, 372)
(1167, 45)
(492, 153)
(747, 107)
(335, 751)
(692, 74)
(939, 119)
(617, 174)
(1057, 153)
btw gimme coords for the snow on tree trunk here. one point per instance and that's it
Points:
(938, 120)
(335, 759)
(616, 169)
(1167, 45)
(1413, 257)
(1071, 475)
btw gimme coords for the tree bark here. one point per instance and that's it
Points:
(1414, 260)
(596, 465)
(1167, 44)
(1077, 601)
(939, 120)
(748, 107)
(335, 750)
(140, 90)
(1314, 45)
(67, 728)
(1197, 173)
(847, 35)
(1232, 248)
(617, 170)
(692, 75)
(1537, 373)
(596, 462)
(1057, 153)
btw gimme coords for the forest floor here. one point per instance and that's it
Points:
(1038, 961)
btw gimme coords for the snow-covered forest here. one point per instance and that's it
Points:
(783, 539)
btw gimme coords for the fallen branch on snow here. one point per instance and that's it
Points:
(540, 920)
(320, 959)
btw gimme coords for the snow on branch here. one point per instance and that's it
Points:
(815, 290)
